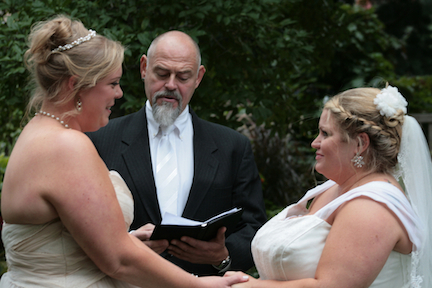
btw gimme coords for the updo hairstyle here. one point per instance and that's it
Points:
(89, 62)
(355, 112)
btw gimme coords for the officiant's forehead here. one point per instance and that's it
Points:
(177, 41)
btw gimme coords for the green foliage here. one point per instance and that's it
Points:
(267, 57)
(418, 92)
(284, 165)
(3, 163)
(269, 65)
(272, 60)
(409, 21)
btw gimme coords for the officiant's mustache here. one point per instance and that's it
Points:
(168, 94)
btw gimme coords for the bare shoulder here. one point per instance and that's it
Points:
(372, 219)
(73, 145)
(46, 167)
(362, 236)
(64, 153)
(66, 148)
(74, 158)
(47, 142)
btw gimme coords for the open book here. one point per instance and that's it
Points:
(174, 227)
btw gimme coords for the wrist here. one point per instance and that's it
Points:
(224, 265)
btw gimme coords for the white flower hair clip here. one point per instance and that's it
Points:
(76, 42)
(389, 101)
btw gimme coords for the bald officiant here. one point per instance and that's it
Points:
(175, 162)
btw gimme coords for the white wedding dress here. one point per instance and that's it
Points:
(289, 246)
(46, 255)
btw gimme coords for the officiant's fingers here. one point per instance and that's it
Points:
(185, 243)
(186, 248)
(220, 236)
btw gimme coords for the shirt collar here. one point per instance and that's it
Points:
(180, 123)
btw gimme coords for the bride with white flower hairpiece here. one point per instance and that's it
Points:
(369, 224)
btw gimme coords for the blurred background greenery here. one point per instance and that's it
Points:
(270, 64)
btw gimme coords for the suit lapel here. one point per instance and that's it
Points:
(205, 166)
(138, 162)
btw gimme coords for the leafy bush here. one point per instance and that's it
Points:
(273, 60)
(269, 65)
(267, 56)
(3, 163)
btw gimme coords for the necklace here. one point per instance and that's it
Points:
(52, 116)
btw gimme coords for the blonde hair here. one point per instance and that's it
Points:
(89, 62)
(355, 112)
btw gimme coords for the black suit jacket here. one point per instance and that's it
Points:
(225, 176)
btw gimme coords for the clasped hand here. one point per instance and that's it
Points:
(144, 233)
(187, 248)
(244, 284)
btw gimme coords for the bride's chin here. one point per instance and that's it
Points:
(318, 168)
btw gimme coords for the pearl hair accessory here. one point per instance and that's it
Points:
(76, 42)
(52, 116)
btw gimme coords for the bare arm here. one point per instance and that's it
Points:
(85, 200)
(360, 241)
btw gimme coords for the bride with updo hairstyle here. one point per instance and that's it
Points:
(355, 112)
(66, 217)
(370, 224)
(50, 66)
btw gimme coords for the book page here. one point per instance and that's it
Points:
(171, 219)
(223, 214)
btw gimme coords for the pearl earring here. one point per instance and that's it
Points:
(79, 105)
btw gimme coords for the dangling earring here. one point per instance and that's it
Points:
(358, 160)
(79, 105)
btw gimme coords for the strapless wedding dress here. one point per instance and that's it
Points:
(289, 246)
(46, 255)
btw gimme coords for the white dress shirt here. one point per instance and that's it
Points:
(182, 137)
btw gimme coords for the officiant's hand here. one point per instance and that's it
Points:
(144, 233)
(200, 252)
